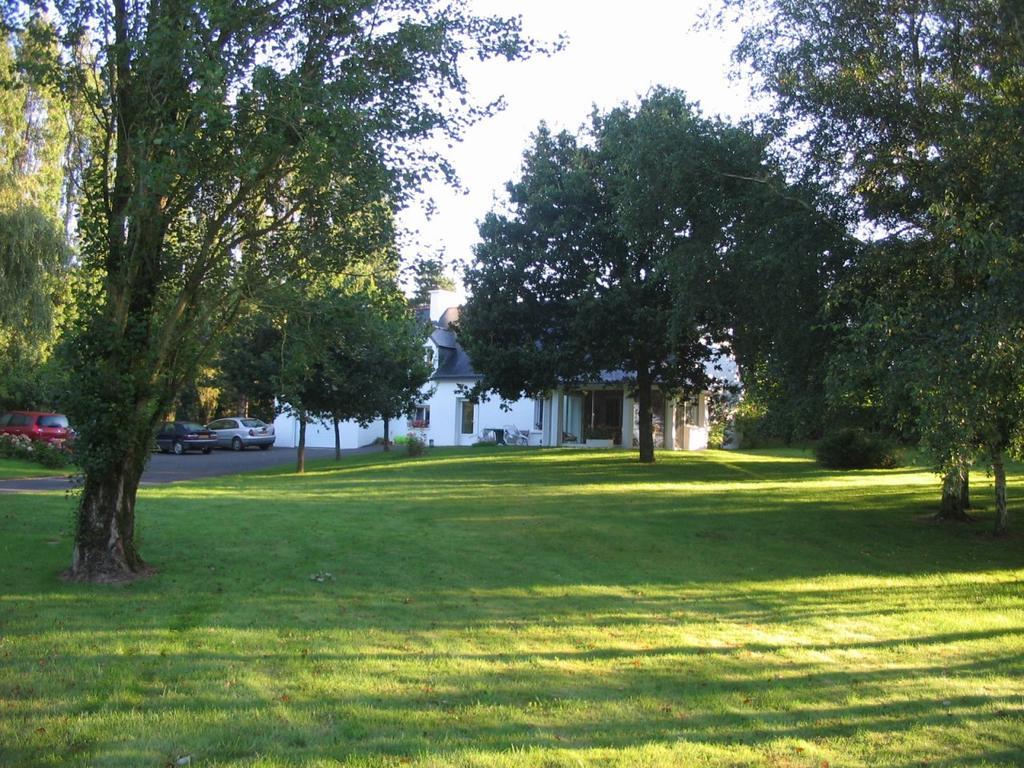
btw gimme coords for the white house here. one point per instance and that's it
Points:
(446, 416)
(599, 415)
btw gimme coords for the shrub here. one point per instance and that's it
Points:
(21, 447)
(415, 446)
(716, 436)
(856, 449)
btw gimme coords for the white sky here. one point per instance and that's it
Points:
(616, 52)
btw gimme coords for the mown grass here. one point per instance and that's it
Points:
(483, 607)
(18, 468)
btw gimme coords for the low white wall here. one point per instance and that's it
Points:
(320, 434)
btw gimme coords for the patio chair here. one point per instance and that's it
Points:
(514, 436)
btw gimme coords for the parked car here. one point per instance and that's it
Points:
(181, 436)
(37, 425)
(239, 432)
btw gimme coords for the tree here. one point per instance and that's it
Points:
(219, 124)
(392, 367)
(318, 331)
(910, 108)
(428, 274)
(608, 258)
(247, 363)
(33, 249)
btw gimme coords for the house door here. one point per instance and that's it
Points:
(465, 415)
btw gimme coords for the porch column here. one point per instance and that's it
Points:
(627, 421)
(670, 424)
(558, 418)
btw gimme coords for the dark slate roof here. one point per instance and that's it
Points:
(452, 360)
(454, 363)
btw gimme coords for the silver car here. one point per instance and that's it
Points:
(239, 432)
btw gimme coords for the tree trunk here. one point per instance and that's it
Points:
(301, 450)
(954, 495)
(105, 548)
(999, 471)
(337, 440)
(387, 434)
(646, 419)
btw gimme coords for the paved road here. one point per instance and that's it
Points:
(168, 468)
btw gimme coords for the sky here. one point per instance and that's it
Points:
(616, 51)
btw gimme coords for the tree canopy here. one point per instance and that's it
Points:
(620, 253)
(220, 125)
(912, 109)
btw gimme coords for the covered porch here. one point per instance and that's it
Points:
(605, 417)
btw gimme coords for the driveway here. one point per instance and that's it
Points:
(168, 468)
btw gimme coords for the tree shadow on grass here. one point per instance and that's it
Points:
(419, 704)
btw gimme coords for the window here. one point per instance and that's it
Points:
(538, 415)
(428, 355)
(53, 421)
(467, 413)
(693, 413)
(420, 417)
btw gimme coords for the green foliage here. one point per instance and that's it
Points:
(33, 249)
(428, 274)
(856, 449)
(45, 454)
(910, 109)
(640, 245)
(219, 127)
(415, 446)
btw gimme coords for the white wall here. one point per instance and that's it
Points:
(446, 421)
(321, 434)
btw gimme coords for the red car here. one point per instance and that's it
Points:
(37, 425)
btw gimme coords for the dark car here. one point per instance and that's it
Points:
(239, 432)
(181, 436)
(37, 425)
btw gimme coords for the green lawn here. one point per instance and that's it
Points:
(16, 468)
(482, 607)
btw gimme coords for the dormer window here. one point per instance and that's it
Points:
(428, 356)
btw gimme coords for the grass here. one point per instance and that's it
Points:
(18, 468)
(488, 607)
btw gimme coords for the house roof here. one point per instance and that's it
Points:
(454, 363)
(452, 360)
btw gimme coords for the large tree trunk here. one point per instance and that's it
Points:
(337, 439)
(301, 450)
(955, 501)
(646, 419)
(105, 548)
(105, 544)
(999, 471)
(387, 434)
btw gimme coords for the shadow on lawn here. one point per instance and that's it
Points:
(576, 700)
(709, 564)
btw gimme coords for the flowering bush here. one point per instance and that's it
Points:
(415, 446)
(47, 454)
